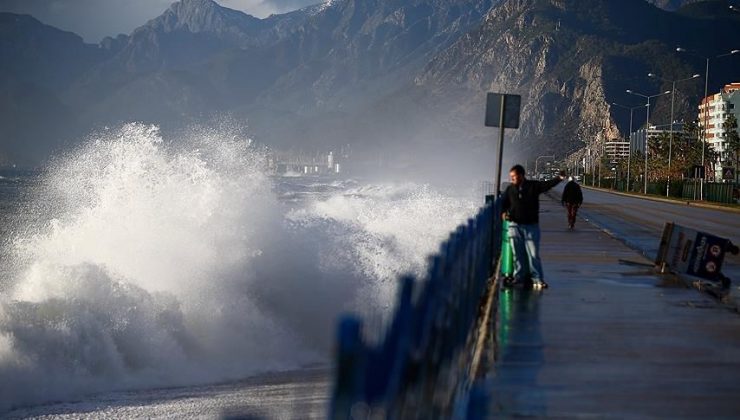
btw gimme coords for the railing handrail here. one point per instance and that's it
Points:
(421, 365)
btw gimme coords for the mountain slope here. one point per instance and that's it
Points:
(388, 76)
(304, 64)
(38, 63)
(570, 59)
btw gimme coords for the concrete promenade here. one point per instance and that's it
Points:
(611, 339)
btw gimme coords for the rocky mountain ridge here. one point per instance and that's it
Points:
(396, 75)
(567, 68)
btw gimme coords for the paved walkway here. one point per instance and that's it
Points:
(610, 339)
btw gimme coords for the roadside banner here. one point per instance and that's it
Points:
(687, 251)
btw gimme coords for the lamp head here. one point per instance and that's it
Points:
(628, 91)
(666, 92)
(734, 51)
(679, 49)
(695, 76)
(652, 75)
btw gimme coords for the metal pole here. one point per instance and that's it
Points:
(670, 143)
(704, 125)
(647, 130)
(500, 147)
(591, 164)
(629, 151)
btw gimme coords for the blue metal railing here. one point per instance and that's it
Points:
(421, 367)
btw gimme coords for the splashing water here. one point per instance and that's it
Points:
(155, 263)
(383, 231)
(141, 275)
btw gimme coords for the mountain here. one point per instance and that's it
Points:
(672, 5)
(312, 67)
(570, 59)
(37, 64)
(714, 9)
(401, 78)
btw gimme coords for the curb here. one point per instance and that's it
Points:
(666, 200)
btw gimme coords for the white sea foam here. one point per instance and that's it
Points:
(140, 269)
(156, 263)
(383, 231)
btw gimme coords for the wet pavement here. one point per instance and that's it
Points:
(611, 339)
(639, 221)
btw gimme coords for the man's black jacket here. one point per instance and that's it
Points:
(523, 203)
(572, 193)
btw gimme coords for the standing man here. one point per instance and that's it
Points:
(572, 199)
(521, 207)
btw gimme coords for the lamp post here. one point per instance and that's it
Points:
(647, 126)
(670, 142)
(704, 121)
(629, 137)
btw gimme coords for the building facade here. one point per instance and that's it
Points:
(713, 111)
(616, 150)
(637, 139)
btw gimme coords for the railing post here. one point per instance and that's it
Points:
(350, 370)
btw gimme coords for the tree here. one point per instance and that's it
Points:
(732, 140)
(692, 144)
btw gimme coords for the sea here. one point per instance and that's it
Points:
(144, 276)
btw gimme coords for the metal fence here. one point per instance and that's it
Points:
(690, 189)
(424, 364)
(718, 192)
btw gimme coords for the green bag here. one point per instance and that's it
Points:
(507, 257)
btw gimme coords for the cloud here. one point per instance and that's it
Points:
(96, 19)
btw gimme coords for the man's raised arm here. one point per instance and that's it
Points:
(546, 185)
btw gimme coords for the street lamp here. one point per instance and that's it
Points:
(670, 142)
(647, 125)
(704, 122)
(629, 149)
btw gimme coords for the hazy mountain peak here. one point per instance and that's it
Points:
(201, 16)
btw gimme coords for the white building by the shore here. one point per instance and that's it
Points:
(713, 111)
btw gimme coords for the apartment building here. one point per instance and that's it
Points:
(713, 111)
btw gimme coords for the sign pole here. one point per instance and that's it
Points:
(502, 111)
(500, 145)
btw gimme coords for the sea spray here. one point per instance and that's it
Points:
(139, 267)
(146, 262)
(384, 230)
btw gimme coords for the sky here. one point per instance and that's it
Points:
(95, 19)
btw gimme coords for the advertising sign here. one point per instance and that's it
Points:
(688, 251)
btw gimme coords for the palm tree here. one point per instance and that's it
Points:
(732, 141)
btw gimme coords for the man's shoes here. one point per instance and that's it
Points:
(539, 284)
